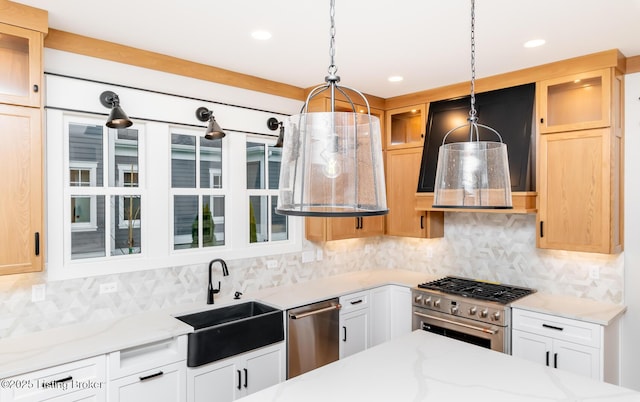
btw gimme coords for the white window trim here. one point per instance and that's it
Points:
(154, 151)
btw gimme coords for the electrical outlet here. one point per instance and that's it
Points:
(307, 256)
(272, 264)
(319, 255)
(110, 287)
(429, 252)
(38, 292)
(594, 273)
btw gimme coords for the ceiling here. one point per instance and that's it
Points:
(425, 41)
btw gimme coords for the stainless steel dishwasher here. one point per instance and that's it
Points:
(312, 336)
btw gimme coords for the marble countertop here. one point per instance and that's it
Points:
(571, 307)
(421, 366)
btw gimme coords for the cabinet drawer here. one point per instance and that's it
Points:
(566, 329)
(144, 357)
(161, 384)
(78, 380)
(354, 301)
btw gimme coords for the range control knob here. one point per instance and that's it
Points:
(436, 303)
(417, 299)
(484, 313)
(496, 316)
(427, 301)
(473, 310)
(454, 309)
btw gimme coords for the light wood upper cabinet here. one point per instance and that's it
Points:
(326, 229)
(406, 127)
(580, 182)
(21, 205)
(22, 29)
(576, 102)
(20, 66)
(403, 168)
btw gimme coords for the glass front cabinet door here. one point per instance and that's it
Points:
(20, 69)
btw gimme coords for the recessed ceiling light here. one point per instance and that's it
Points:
(395, 78)
(534, 43)
(261, 35)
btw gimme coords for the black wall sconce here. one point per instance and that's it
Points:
(117, 118)
(273, 125)
(213, 132)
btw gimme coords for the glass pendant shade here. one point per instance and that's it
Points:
(332, 166)
(473, 174)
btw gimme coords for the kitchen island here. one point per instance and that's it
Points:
(421, 366)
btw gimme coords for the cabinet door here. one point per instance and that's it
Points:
(263, 369)
(20, 190)
(380, 315)
(215, 382)
(400, 310)
(342, 228)
(575, 189)
(405, 127)
(532, 347)
(579, 359)
(164, 384)
(371, 226)
(403, 169)
(21, 67)
(575, 102)
(355, 332)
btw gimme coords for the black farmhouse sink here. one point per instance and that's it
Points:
(230, 330)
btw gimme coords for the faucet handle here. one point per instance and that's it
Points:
(237, 295)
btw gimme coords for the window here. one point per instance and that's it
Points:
(157, 194)
(263, 174)
(198, 191)
(83, 208)
(102, 190)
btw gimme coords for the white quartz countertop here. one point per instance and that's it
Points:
(79, 341)
(422, 366)
(571, 307)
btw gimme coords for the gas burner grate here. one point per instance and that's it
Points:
(477, 289)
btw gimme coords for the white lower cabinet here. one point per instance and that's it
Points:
(373, 317)
(580, 347)
(82, 380)
(235, 377)
(161, 384)
(354, 323)
(152, 372)
(390, 313)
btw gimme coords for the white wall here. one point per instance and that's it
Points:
(631, 320)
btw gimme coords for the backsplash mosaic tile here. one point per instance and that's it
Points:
(494, 247)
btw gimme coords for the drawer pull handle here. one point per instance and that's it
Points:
(344, 339)
(239, 379)
(60, 381)
(356, 301)
(246, 378)
(555, 360)
(150, 376)
(553, 327)
(547, 358)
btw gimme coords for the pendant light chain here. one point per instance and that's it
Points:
(472, 113)
(332, 43)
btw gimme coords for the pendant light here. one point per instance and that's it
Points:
(332, 161)
(473, 174)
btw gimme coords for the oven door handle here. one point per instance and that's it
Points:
(485, 330)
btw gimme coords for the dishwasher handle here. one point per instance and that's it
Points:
(314, 312)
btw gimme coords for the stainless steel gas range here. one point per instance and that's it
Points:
(468, 310)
